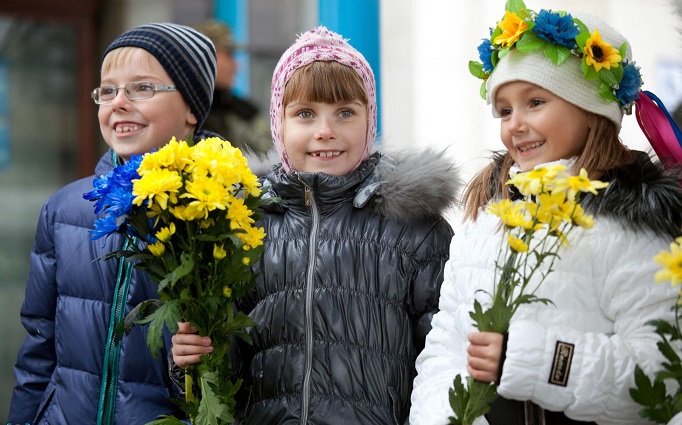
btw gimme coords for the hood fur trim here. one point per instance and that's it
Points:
(417, 185)
(405, 185)
(642, 196)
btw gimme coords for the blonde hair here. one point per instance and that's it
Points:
(325, 82)
(122, 55)
(603, 151)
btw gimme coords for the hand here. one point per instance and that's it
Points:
(484, 354)
(188, 347)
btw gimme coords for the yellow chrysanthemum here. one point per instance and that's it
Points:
(159, 185)
(509, 212)
(553, 208)
(171, 156)
(516, 244)
(208, 195)
(239, 214)
(579, 183)
(252, 237)
(672, 264)
(246, 261)
(157, 249)
(164, 234)
(512, 27)
(219, 252)
(581, 219)
(600, 54)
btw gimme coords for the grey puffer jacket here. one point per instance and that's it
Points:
(69, 369)
(347, 287)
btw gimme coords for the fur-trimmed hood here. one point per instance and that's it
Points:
(403, 186)
(641, 196)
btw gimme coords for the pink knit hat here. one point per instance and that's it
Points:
(319, 44)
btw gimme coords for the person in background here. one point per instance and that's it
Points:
(156, 83)
(354, 254)
(570, 361)
(235, 118)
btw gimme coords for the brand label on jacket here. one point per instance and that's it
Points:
(561, 366)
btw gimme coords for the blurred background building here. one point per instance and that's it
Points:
(50, 51)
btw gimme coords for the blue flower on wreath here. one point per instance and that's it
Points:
(556, 29)
(628, 88)
(485, 52)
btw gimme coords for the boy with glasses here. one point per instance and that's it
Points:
(157, 82)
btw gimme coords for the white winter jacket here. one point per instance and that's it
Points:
(578, 354)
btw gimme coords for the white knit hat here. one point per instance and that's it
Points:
(565, 79)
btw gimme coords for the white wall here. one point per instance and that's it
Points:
(430, 99)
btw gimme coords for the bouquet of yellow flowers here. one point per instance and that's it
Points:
(188, 212)
(658, 405)
(533, 230)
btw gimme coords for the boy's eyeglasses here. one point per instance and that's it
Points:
(134, 91)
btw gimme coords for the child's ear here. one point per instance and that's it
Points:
(191, 118)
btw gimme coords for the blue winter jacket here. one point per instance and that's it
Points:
(67, 312)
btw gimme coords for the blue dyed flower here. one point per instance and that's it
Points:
(556, 29)
(113, 194)
(485, 51)
(628, 89)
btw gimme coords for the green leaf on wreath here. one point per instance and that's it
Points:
(166, 420)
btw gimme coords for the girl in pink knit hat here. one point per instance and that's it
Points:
(560, 85)
(354, 253)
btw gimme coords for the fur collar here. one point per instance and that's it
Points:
(404, 186)
(641, 196)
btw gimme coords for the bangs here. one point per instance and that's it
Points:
(325, 82)
(123, 55)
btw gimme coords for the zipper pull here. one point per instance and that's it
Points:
(308, 196)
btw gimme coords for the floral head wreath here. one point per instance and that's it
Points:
(558, 35)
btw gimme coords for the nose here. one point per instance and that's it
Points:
(121, 100)
(324, 130)
(516, 123)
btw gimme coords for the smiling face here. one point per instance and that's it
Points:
(537, 126)
(133, 127)
(325, 137)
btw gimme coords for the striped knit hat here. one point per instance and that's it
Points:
(319, 44)
(188, 56)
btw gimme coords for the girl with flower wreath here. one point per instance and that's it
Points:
(560, 84)
(353, 255)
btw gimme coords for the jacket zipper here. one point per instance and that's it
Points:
(107, 398)
(312, 251)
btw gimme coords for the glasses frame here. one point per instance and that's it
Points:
(155, 87)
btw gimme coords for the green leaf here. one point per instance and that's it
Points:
(557, 54)
(476, 69)
(483, 91)
(210, 408)
(515, 5)
(459, 398)
(142, 310)
(530, 42)
(607, 76)
(168, 314)
(186, 266)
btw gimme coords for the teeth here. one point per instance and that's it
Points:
(532, 146)
(326, 154)
(127, 127)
